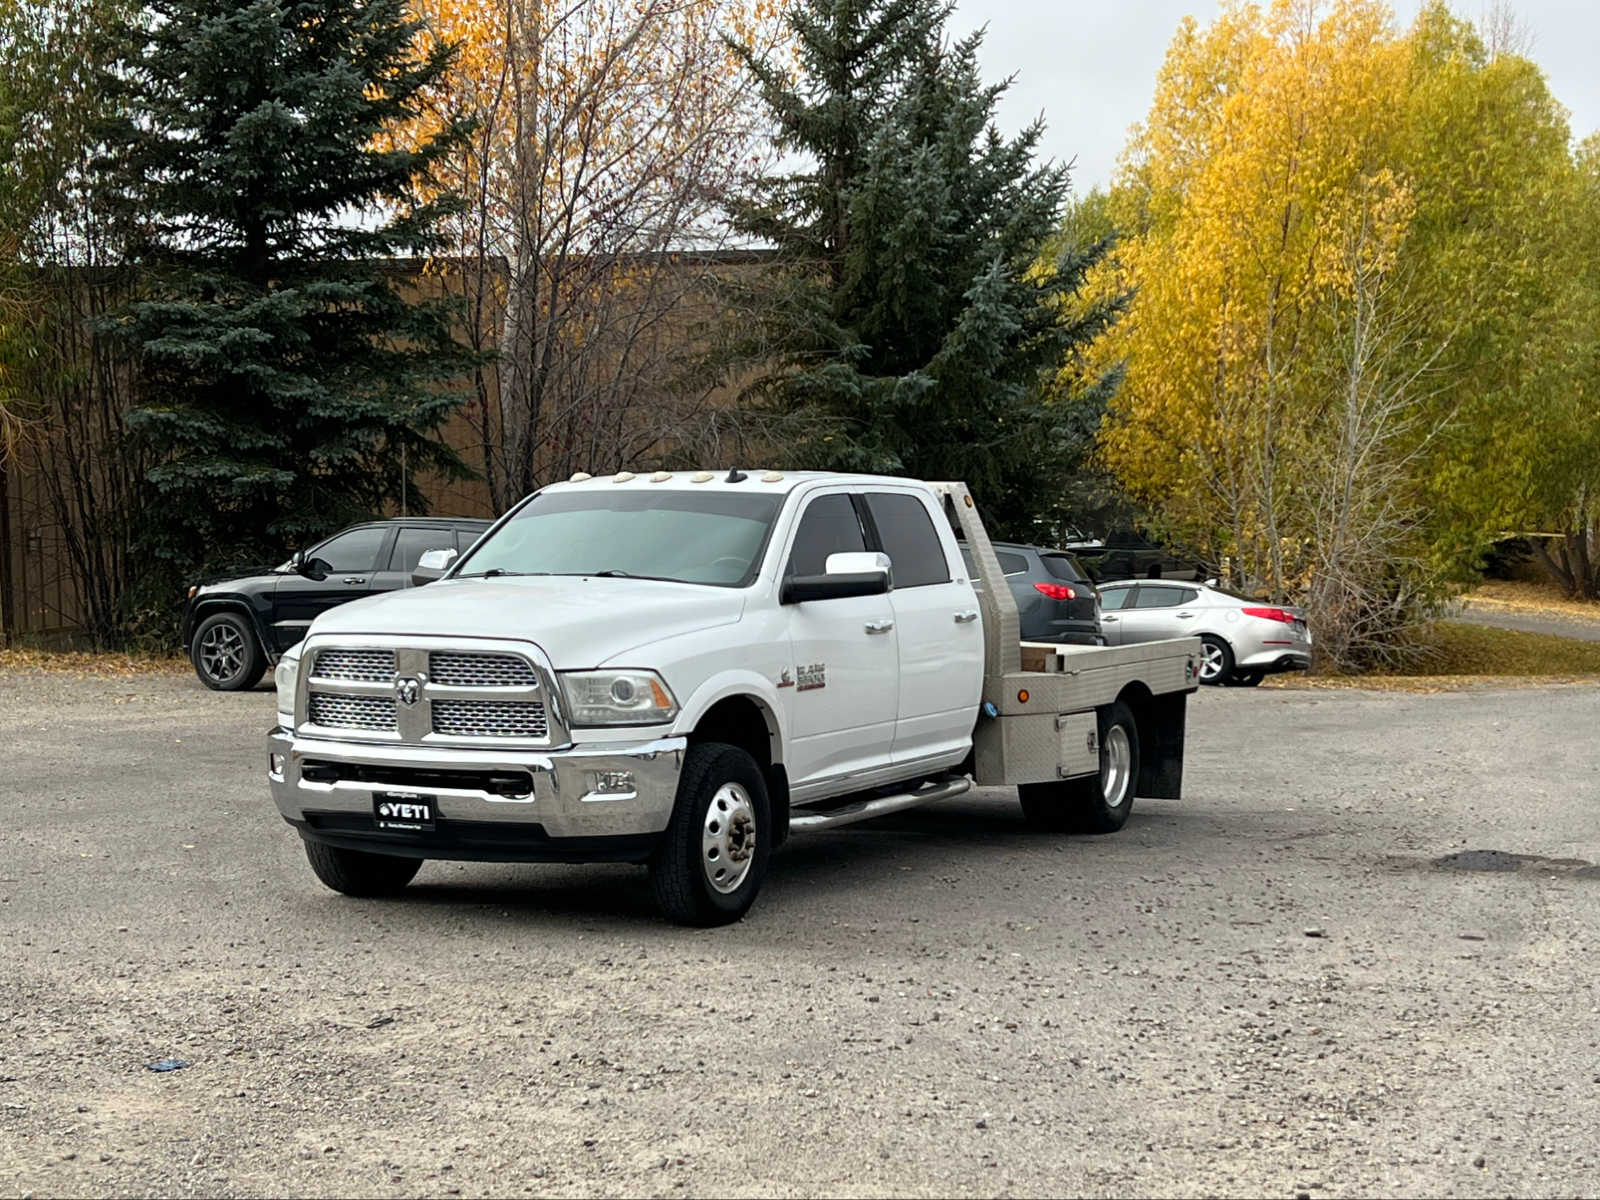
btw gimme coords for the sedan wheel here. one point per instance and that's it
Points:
(1216, 660)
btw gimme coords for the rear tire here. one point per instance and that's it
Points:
(1216, 660)
(1098, 803)
(713, 856)
(359, 873)
(226, 655)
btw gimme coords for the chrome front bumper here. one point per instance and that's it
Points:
(613, 791)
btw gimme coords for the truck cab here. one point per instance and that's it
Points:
(674, 669)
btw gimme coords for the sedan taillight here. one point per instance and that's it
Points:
(1056, 591)
(1272, 614)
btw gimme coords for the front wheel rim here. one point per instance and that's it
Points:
(1210, 661)
(1116, 767)
(222, 652)
(728, 838)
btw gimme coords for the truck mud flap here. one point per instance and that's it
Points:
(1161, 727)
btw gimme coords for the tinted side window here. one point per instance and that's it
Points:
(828, 526)
(1159, 597)
(353, 551)
(1063, 567)
(411, 543)
(909, 540)
(1012, 564)
(1114, 598)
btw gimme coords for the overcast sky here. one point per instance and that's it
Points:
(1090, 65)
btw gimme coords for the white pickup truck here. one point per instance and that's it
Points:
(681, 669)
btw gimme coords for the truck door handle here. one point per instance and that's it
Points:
(879, 626)
(1104, 620)
(963, 617)
(355, 579)
(1185, 616)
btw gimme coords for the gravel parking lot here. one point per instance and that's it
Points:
(1299, 979)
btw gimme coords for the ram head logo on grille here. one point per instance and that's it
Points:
(408, 690)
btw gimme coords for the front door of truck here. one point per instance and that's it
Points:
(842, 694)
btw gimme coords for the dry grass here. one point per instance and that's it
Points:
(1465, 656)
(86, 665)
(1538, 599)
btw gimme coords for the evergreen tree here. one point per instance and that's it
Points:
(913, 326)
(287, 381)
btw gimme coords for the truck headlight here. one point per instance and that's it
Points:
(618, 698)
(286, 676)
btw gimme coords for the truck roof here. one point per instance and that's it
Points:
(753, 478)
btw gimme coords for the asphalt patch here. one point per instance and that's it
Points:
(1504, 860)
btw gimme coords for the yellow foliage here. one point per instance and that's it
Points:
(1310, 175)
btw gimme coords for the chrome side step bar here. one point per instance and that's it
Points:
(881, 806)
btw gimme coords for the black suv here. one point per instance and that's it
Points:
(235, 628)
(1056, 602)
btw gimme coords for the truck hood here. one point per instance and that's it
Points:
(578, 620)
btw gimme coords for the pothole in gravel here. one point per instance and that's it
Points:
(1504, 860)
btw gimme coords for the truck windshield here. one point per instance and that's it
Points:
(709, 537)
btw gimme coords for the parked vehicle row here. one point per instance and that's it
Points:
(236, 628)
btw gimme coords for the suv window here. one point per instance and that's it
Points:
(1163, 597)
(909, 539)
(410, 544)
(828, 526)
(356, 550)
(1010, 563)
(467, 535)
(1115, 597)
(1062, 566)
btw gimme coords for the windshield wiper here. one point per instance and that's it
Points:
(613, 573)
(496, 573)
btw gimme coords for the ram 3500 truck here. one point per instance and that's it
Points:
(681, 669)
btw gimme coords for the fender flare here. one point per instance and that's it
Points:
(209, 606)
(728, 684)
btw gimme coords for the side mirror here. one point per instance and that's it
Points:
(312, 568)
(431, 566)
(856, 573)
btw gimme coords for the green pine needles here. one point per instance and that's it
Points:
(287, 380)
(916, 322)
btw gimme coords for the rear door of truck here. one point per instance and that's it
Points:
(936, 618)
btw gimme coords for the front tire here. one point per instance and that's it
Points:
(713, 856)
(359, 873)
(1099, 803)
(226, 655)
(1216, 660)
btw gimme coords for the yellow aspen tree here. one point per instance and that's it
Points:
(1333, 255)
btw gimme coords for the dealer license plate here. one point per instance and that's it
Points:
(404, 812)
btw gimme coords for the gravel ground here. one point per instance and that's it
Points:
(1272, 987)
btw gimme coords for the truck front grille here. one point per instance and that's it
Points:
(352, 712)
(451, 668)
(490, 718)
(472, 691)
(363, 666)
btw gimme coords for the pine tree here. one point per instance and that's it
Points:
(913, 326)
(287, 381)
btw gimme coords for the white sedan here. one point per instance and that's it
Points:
(1245, 640)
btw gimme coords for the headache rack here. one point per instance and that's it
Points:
(1039, 719)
